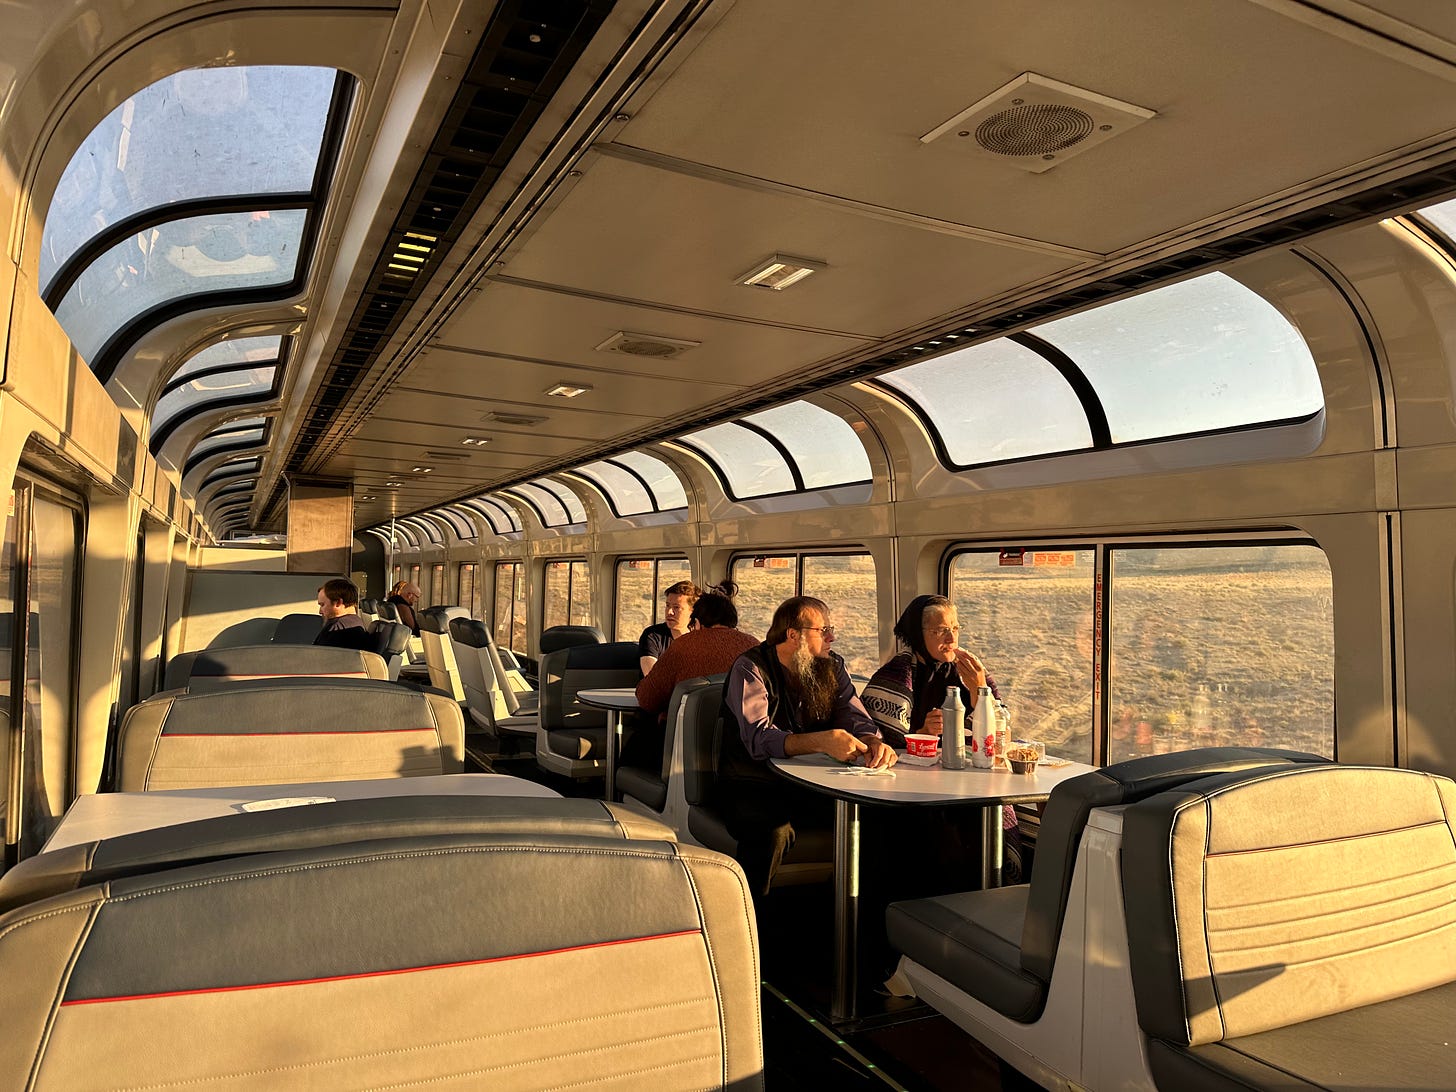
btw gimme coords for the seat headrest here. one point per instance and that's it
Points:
(613, 656)
(437, 619)
(391, 638)
(387, 610)
(297, 629)
(470, 632)
(558, 637)
(264, 663)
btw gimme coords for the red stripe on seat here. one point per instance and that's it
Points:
(287, 675)
(275, 735)
(382, 974)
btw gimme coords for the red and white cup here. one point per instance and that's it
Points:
(922, 746)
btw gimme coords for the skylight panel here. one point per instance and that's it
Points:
(236, 351)
(548, 507)
(994, 402)
(225, 252)
(235, 434)
(629, 496)
(1442, 216)
(461, 524)
(822, 444)
(749, 463)
(569, 500)
(216, 388)
(660, 478)
(201, 133)
(501, 517)
(1200, 355)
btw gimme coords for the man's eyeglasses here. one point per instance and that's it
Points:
(828, 631)
(944, 633)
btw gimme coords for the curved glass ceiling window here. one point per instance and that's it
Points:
(569, 500)
(234, 353)
(201, 133)
(501, 517)
(1197, 356)
(231, 469)
(749, 464)
(995, 401)
(825, 450)
(1443, 216)
(423, 528)
(627, 492)
(548, 507)
(462, 526)
(220, 252)
(235, 434)
(194, 395)
(660, 478)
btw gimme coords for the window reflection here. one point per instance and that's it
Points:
(640, 585)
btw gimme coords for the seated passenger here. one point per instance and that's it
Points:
(789, 696)
(710, 646)
(338, 602)
(405, 597)
(904, 697)
(678, 600)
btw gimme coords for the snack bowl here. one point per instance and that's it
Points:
(922, 746)
(1022, 759)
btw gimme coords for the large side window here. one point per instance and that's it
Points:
(510, 605)
(1221, 645)
(640, 584)
(41, 552)
(846, 582)
(437, 585)
(556, 592)
(1028, 614)
(468, 590)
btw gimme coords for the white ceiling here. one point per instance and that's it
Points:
(795, 128)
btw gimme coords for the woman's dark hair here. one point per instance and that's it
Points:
(910, 629)
(714, 608)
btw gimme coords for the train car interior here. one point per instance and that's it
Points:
(1128, 327)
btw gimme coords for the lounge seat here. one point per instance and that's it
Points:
(1026, 969)
(299, 629)
(440, 650)
(486, 698)
(1295, 928)
(661, 789)
(288, 731)
(571, 739)
(365, 945)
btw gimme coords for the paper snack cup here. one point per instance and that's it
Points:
(922, 746)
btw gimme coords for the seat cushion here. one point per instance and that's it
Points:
(1395, 1044)
(973, 940)
(644, 785)
(579, 743)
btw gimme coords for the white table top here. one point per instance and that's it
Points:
(109, 815)
(907, 784)
(610, 697)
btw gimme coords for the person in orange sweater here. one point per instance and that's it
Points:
(710, 646)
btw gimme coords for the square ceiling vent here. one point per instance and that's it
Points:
(1036, 123)
(650, 345)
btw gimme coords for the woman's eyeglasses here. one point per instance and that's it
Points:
(944, 633)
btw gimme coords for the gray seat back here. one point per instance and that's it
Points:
(361, 962)
(701, 713)
(440, 649)
(369, 610)
(583, 667)
(387, 610)
(215, 667)
(470, 642)
(389, 640)
(286, 732)
(556, 638)
(297, 629)
(1066, 814)
(1270, 897)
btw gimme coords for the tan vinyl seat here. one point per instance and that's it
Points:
(286, 732)
(1294, 928)
(421, 941)
(486, 698)
(440, 650)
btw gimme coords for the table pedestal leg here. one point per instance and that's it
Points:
(846, 909)
(991, 847)
(614, 747)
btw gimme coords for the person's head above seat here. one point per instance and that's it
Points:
(678, 602)
(336, 598)
(801, 623)
(929, 628)
(715, 608)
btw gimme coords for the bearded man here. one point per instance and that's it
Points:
(789, 696)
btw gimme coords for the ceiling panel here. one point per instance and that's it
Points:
(1234, 84)
(643, 233)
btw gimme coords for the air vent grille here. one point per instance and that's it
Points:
(649, 345)
(1034, 130)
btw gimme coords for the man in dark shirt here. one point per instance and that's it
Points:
(789, 696)
(338, 603)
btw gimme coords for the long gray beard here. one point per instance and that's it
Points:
(818, 684)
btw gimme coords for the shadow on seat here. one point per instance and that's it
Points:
(288, 731)
(571, 739)
(661, 790)
(297, 629)
(216, 667)
(521, 930)
(1000, 952)
(1292, 928)
(809, 860)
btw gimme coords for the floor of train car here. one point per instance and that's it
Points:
(896, 1044)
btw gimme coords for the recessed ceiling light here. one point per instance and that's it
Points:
(366, 498)
(393, 485)
(475, 441)
(780, 271)
(568, 390)
(422, 469)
